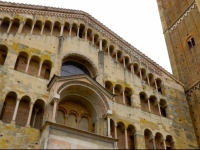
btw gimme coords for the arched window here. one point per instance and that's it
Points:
(73, 68)
(3, 54)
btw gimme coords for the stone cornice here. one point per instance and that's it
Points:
(77, 14)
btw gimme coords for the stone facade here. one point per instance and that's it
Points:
(181, 27)
(68, 82)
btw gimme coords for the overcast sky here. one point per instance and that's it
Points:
(136, 21)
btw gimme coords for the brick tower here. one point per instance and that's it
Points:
(181, 27)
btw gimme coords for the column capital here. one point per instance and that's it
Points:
(78, 119)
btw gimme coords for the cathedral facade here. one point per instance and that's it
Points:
(181, 28)
(69, 82)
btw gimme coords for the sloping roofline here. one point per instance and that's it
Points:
(78, 14)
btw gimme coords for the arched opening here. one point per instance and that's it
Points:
(56, 29)
(112, 128)
(104, 45)
(37, 28)
(119, 57)
(27, 26)
(46, 69)
(81, 31)
(109, 86)
(72, 120)
(151, 79)
(89, 35)
(121, 135)
(37, 114)
(3, 54)
(112, 51)
(127, 61)
(163, 108)
(148, 136)
(154, 105)
(8, 107)
(23, 111)
(21, 62)
(61, 114)
(15, 26)
(159, 141)
(5, 24)
(73, 68)
(118, 92)
(66, 29)
(144, 102)
(47, 28)
(130, 136)
(129, 67)
(128, 93)
(84, 123)
(159, 85)
(34, 66)
(74, 30)
(170, 144)
(143, 73)
(96, 40)
(136, 69)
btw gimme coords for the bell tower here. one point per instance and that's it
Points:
(181, 28)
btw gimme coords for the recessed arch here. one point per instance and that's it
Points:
(27, 26)
(148, 136)
(21, 62)
(109, 86)
(3, 53)
(5, 24)
(56, 29)
(15, 25)
(47, 28)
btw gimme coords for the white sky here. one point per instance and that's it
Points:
(136, 21)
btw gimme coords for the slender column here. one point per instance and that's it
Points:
(42, 28)
(135, 140)
(15, 111)
(86, 34)
(116, 56)
(93, 39)
(20, 27)
(78, 120)
(126, 140)
(164, 144)
(154, 144)
(54, 110)
(149, 105)
(61, 30)
(108, 50)
(124, 62)
(29, 115)
(32, 27)
(39, 72)
(116, 135)
(66, 118)
(148, 80)
(123, 97)
(140, 75)
(100, 44)
(108, 123)
(159, 108)
(52, 29)
(27, 66)
(156, 85)
(114, 93)
(36, 111)
(132, 68)
(11, 22)
(78, 31)
(70, 30)
(46, 143)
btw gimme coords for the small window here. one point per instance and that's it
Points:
(191, 43)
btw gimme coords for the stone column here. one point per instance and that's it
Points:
(135, 140)
(27, 66)
(154, 144)
(33, 27)
(132, 70)
(36, 111)
(159, 108)
(66, 118)
(108, 50)
(92, 39)
(116, 56)
(116, 135)
(61, 30)
(100, 44)
(140, 75)
(11, 22)
(39, 72)
(78, 31)
(124, 62)
(156, 85)
(149, 105)
(86, 34)
(114, 93)
(78, 122)
(15, 111)
(43, 24)
(126, 139)
(52, 29)
(108, 123)
(123, 97)
(30, 114)
(70, 30)
(20, 27)
(55, 105)
(148, 80)
(164, 144)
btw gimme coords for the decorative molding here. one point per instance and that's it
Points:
(192, 89)
(76, 14)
